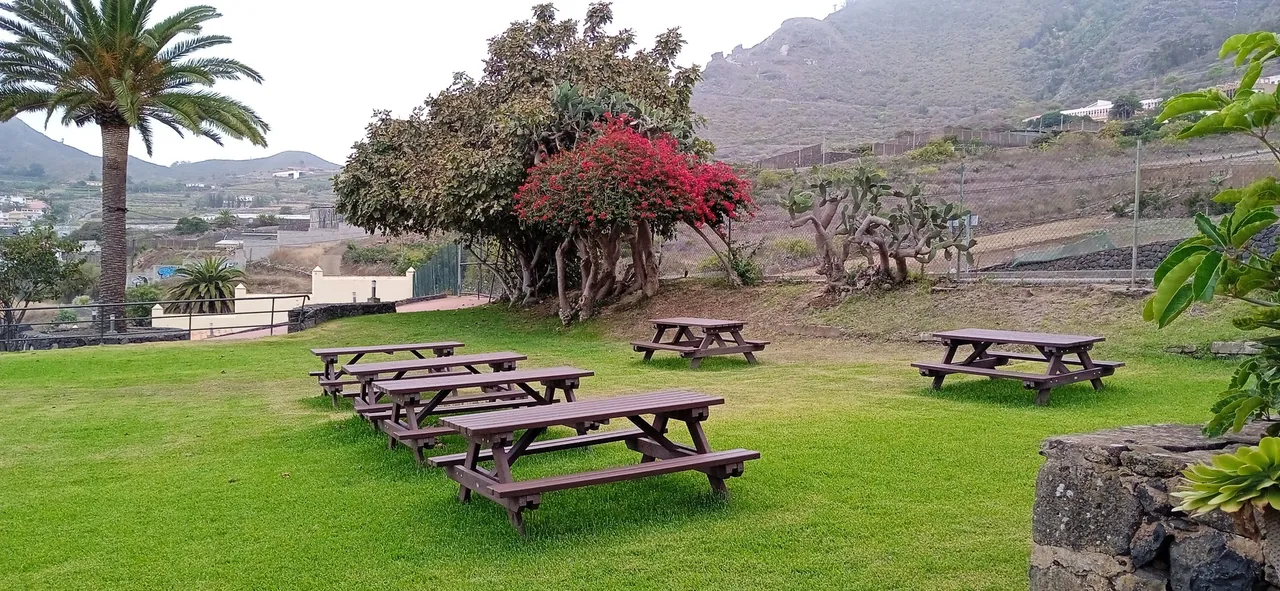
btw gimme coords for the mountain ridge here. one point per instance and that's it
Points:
(21, 146)
(878, 67)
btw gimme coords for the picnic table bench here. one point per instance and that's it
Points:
(715, 339)
(492, 437)
(1055, 350)
(367, 401)
(331, 380)
(403, 422)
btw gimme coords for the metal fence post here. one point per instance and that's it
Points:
(1137, 207)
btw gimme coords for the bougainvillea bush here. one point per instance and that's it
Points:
(621, 190)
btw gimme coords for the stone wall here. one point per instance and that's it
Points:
(311, 316)
(1104, 520)
(1121, 259)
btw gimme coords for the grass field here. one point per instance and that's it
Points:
(218, 466)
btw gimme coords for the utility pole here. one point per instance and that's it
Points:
(1137, 206)
(961, 262)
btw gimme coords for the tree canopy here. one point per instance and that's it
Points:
(34, 265)
(456, 163)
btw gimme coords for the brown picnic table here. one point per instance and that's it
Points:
(330, 378)
(404, 422)
(492, 437)
(718, 337)
(368, 402)
(1055, 350)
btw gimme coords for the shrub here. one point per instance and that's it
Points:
(934, 151)
(769, 179)
(191, 225)
(141, 293)
(65, 316)
(796, 248)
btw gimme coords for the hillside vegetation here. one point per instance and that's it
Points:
(877, 67)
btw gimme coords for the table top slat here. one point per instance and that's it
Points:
(385, 348)
(365, 369)
(481, 380)
(1018, 338)
(585, 411)
(698, 322)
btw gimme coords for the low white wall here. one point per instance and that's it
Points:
(339, 290)
(248, 313)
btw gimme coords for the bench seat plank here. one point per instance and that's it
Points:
(579, 412)
(640, 346)
(483, 380)
(562, 443)
(368, 369)
(620, 473)
(932, 369)
(402, 433)
(1034, 357)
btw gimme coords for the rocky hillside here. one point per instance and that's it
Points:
(877, 67)
(21, 147)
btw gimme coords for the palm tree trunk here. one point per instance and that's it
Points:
(115, 170)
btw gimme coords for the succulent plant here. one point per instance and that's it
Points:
(1250, 475)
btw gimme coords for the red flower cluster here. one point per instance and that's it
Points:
(621, 177)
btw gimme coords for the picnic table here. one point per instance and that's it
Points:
(330, 377)
(404, 422)
(492, 437)
(1055, 350)
(714, 340)
(368, 402)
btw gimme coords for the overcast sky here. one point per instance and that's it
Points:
(327, 69)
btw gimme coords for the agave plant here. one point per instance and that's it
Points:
(209, 285)
(1250, 477)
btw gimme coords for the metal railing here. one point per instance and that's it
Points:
(48, 327)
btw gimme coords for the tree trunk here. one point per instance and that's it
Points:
(115, 254)
(643, 260)
(566, 315)
(729, 274)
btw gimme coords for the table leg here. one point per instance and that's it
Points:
(659, 425)
(502, 473)
(395, 418)
(947, 358)
(707, 338)
(657, 338)
(416, 354)
(700, 443)
(1087, 362)
(742, 342)
(473, 455)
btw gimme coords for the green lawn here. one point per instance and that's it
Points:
(218, 466)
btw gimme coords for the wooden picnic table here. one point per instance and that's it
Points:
(403, 423)
(719, 337)
(1056, 350)
(330, 377)
(368, 401)
(492, 437)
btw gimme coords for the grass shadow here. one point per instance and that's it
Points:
(709, 364)
(1011, 393)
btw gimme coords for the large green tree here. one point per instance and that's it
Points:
(455, 164)
(34, 265)
(110, 63)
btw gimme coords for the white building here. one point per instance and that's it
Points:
(288, 174)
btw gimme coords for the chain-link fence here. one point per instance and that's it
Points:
(1063, 209)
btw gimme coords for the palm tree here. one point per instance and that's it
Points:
(105, 62)
(211, 281)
